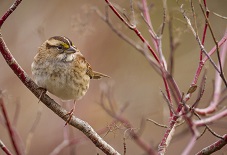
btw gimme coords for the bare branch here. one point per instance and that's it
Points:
(223, 17)
(32, 130)
(156, 123)
(173, 46)
(216, 43)
(4, 148)
(214, 147)
(190, 145)
(129, 127)
(198, 39)
(207, 127)
(9, 127)
(133, 28)
(201, 90)
(9, 11)
(168, 135)
(217, 88)
(124, 143)
(211, 119)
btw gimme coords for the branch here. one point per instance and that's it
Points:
(190, 145)
(32, 130)
(127, 124)
(204, 29)
(168, 135)
(76, 140)
(211, 119)
(217, 88)
(214, 147)
(4, 148)
(216, 43)
(10, 10)
(9, 127)
(133, 28)
(158, 44)
(198, 39)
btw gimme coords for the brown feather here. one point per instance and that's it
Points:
(97, 75)
(93, 74)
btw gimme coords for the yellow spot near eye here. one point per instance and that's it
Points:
(65, 45)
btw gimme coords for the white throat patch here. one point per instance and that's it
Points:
(66, 57)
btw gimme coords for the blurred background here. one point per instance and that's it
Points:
(133, 80)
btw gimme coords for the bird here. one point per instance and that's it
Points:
(60, 68)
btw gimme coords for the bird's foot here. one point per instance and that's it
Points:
(70, 114)
(43, 91)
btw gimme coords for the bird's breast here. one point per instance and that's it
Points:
(65, 80)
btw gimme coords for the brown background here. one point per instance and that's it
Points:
(133, 79)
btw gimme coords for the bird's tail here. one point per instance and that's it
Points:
(97, 75)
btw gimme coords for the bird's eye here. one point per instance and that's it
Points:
(59, 47)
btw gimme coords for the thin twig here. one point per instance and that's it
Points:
(202, 134)
(147, 19)
(164, 18)
(216, 43)
(194, 17)
(214, 147)
(211, 119)
(16, 114)
(223, 17)
(217, 88)
(10, 128)
(124, 144)
(129, 127)
(9, 11)
(133, 28)
(172, 46)
(198, 39)
(207, 127)
(201, 90)
(114, 29)
(76, 140)
(32, 130)
(133, 12)
(174, 88)
(156, 123)
(168, 103)
(4, 148)
(190, 145)
(204, 29)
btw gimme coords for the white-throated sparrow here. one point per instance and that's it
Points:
(60, 68)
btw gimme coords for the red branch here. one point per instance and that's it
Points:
(157, 43)
(217, 88)
(204, 30)
(9, 127)
(134, 29)
(201, 64)
(211, 119)
(4, 148)
(11, 9)
(167, 136)
(214, 147)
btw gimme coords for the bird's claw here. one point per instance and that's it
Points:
(70, 114)
(43, 91)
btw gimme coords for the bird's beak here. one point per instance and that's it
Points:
(70, 50)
